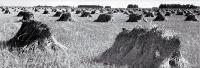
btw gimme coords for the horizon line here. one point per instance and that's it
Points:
(89, 4)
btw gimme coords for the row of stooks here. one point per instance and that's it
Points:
(106, 17)
(110, 10)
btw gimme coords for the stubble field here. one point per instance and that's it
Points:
(87, 40)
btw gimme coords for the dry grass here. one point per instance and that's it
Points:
(86, 40)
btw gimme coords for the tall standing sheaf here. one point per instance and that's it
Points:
(144, 48)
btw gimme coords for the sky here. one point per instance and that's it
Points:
(112, 3)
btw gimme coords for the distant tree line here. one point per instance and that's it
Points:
(42, 6)
(132, 6)
(187, 6)
(90, 6)
(107, 6)
(64, 6)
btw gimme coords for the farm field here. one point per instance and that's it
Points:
(86, 40)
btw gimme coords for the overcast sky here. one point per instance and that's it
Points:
(113, 3)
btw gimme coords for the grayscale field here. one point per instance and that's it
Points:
(82, 40)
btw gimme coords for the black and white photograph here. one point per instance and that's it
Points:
(99, 33)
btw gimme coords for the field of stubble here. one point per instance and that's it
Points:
(86, 39)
